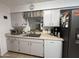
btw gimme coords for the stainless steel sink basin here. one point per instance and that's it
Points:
(33, 35)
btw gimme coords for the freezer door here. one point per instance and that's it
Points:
(73, 50)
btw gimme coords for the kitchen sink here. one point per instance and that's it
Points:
(33, 35)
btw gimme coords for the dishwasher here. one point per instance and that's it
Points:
(52, 49)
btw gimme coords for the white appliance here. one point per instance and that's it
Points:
(53, 49)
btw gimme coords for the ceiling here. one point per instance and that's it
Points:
(21, 2)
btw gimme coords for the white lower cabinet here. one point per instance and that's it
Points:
(42, 48)
(37, 47)
(27, 46)
(12, 44)
(24, 46)
(52, 49)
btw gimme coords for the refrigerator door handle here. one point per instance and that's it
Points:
(77, 42)
(77, 36)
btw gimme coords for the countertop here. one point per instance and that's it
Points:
(43, 36)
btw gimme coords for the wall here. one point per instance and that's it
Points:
(46, 5)
(5, 26)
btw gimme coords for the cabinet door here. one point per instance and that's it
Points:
(8, 44)
(24, 46)
(47, 17)
(12, 44)
(14, 20)
(17, 19)
(37, 47)
(53, 49)
(55, 18)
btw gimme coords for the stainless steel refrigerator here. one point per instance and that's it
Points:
(69, 30)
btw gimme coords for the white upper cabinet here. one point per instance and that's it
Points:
(14, 19)
(51, 18)
(17, 19)
(47, 17)
(56, 17)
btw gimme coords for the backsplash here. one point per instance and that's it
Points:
(47, 30)
(33, 24)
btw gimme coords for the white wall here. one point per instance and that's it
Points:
(5, 26)
(46, 5)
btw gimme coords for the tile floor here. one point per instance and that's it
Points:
(17, 55)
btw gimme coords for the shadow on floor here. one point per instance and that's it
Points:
(17, 55)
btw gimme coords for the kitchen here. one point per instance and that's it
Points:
(32, 35)
(37, 29)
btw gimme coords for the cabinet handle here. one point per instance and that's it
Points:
(51, 42)
(18, 49)
(30, 43)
